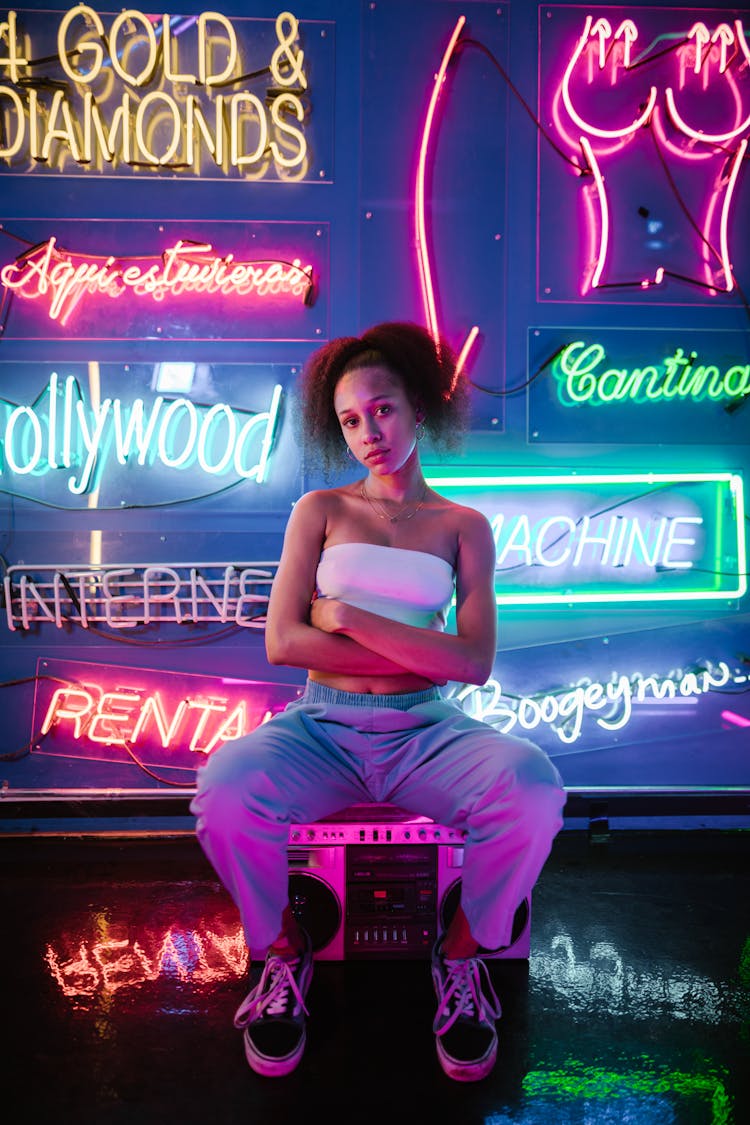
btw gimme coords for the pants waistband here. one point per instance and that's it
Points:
(400, 701)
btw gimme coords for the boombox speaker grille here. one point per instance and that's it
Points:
(521, 924)
(316, 907)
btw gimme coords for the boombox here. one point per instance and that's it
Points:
(377, 882)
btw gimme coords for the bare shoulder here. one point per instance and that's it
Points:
(312, 502)
(463, 535)
(471, 525)
(324, 499)
(317, 508)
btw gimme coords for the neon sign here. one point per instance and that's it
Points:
(151, 92)
(209, 279)
(582, 376)
(631, 537)
(118, 717)
(422, 242)
(656, 386)
(617, 541)
(129, 595)
(62, 279)
(70, 434)
(163, 718)
(621, 92)
(611, 703)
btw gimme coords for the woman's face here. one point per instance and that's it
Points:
(377, 418)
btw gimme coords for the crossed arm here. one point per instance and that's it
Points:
(328, 635)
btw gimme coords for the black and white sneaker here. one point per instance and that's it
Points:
(272, 1015)
(464, 1024)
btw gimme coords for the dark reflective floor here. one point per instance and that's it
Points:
(123, 964)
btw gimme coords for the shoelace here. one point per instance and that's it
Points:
(468, 988)
(271, 994)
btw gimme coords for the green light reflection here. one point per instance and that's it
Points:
(578, 1082)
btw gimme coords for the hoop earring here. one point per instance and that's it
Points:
(419, 431)
(349, 454)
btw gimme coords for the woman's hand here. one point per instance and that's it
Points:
(325, 614)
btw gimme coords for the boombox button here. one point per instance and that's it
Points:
(422, 834)
(311, 833)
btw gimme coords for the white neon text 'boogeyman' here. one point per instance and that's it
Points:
(564, 711)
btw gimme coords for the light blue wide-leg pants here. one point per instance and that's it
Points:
(332, 749)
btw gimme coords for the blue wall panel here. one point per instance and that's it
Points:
(136, 539)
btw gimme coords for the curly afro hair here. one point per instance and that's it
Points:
(427, 370)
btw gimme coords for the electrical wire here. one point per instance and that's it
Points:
(141, 765)
(26, 749)
(519, 386)
(467, 41)
(187, 642)
(123, 507)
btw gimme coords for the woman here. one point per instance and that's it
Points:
(367, 573)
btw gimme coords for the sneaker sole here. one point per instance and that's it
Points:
(270, 1067)
(467, 1071)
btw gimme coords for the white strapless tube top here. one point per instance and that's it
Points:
(413, 587)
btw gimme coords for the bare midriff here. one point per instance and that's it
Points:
(373, 685)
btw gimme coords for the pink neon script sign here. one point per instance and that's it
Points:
(63, 279)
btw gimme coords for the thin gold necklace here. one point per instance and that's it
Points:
(380, 511)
